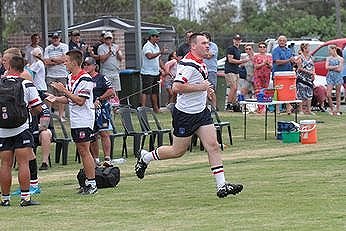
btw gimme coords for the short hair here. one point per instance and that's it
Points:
(34, 35)
(193, 37)
(261, 43)
(17, 63)
(76, 55)
(206, 34)
(13, 51)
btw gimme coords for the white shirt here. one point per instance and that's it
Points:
(81, 85)
(40, 75)
(32, 99)
(111, 65)
(192, 102)
(58, 70)
(27, 50)
(150, 66)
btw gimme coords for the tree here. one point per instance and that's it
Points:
(219, 16)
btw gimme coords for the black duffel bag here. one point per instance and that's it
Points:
(106, 177)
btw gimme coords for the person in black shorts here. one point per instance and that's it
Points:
(190, 115)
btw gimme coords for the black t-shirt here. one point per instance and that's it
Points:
(231, 67)
(183, 49)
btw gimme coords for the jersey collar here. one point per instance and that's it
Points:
(191, 56)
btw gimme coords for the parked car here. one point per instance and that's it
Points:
(320, 55)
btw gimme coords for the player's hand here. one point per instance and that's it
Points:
(59, 87)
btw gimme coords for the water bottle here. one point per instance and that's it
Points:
(118, 161)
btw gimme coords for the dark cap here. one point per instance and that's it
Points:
(90, 60)
(153, 32)
(55, 35)
(237, 37)
(75, 33)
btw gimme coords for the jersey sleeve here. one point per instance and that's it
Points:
(31, 94)
(84, 89)
(183, 74)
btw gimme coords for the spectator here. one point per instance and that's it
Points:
(334, 65)
(184, 48)
(171, 71)
(283, 60)
(42, 132)
(110, 59)
(79, 96)
(54, 58)
(40, 72)
(35, 43)
(305, 78)
(92, 51)
(344, 68)
(77, 43)
(150, 71)
(190, 115)
(102, 92)
(245, 85)
(262, 70)
(211, 62)
(18, 141)
(232, 72)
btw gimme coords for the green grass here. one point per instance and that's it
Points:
(287, 187)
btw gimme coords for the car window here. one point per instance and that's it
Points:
(321, 54)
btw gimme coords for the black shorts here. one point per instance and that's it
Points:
(184, 124)
(22, 140)
(150, 84)
(80, 135)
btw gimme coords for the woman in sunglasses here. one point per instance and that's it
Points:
(263, 66)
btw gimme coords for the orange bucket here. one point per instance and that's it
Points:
(308, 132)
(285, 84)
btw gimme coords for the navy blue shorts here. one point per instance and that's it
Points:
(184, 124)
(80, 135)
(22, 140)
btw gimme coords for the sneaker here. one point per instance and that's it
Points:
(28, 202)
(89, 189)
(228, 188)
(140, 166)
(44, 166)
(35, 190)
(5, 203)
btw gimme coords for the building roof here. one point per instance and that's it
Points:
(111, 23)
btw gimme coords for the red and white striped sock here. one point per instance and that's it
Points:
(25, 194)
(219, 175)
(150, 156)
(34, 183)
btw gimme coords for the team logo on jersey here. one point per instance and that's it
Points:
(181, 131)
(81, 134)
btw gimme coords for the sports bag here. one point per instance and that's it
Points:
(14, 112)
(106, 177)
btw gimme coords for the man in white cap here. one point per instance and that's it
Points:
(110, 57)
(54, 58)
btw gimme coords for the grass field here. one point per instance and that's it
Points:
(287, 187)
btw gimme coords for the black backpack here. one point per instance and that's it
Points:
(13, 109)
(106, 177)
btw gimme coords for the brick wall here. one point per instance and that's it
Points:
(20, 40)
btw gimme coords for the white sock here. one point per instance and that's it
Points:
(150, 156)
(219, 175)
